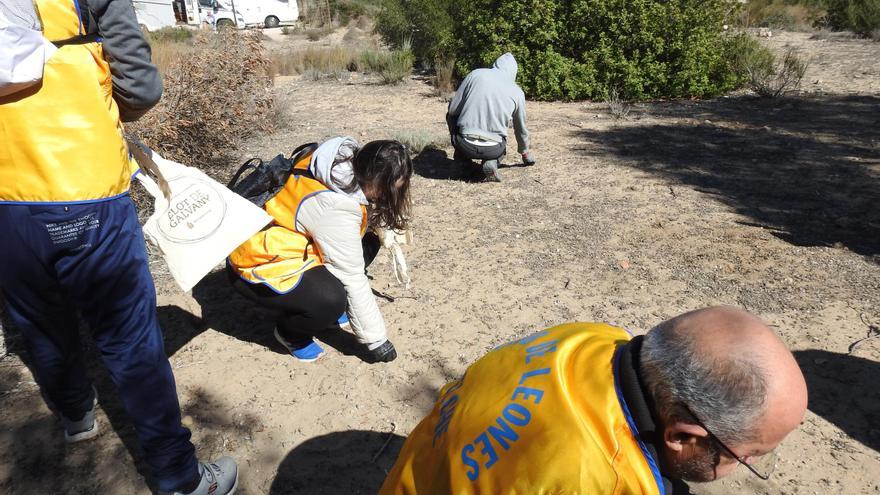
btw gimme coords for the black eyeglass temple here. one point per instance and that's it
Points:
(725, 447)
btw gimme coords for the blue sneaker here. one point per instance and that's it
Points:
(344, 322)
(310, 352)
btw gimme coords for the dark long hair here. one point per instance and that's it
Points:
(378, 166)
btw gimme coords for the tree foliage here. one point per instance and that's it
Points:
(576, 49)
(424, 24)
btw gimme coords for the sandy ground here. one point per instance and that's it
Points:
(766, 204)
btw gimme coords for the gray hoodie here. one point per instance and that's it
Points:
(486, 101)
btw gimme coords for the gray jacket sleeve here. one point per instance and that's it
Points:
(137, 85)
(457, 100)
(519, 124)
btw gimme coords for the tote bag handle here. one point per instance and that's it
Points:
(145, 161)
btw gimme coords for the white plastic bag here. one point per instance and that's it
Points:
(392, 241)
(24, 53)
(201, 223)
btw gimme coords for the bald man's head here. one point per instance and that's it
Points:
(726, 367)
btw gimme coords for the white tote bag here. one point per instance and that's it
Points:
(197, 221)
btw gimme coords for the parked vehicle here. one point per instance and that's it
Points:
(154, 14)
(268, 13)
(187, 12)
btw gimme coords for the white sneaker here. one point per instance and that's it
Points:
(218, 478)
(85, 428)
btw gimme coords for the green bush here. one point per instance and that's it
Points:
(346, 10)
(392, 67)
(761, 71)
(426, 24)
(577, 49)
(860, 16)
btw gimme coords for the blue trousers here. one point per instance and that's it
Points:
(56, 260)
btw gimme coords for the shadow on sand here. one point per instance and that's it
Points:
(843, 390)
(228, 312)
(354, 462)
(807, 168)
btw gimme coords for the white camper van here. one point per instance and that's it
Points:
(154, 14)
(268, 13)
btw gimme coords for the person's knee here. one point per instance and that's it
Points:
(332, 300)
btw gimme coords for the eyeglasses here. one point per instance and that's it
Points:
(767, 460)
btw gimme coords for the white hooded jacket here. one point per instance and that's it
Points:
(334, 221)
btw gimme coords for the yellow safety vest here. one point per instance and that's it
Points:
(542, 415)
(279, 255)
(62, 140)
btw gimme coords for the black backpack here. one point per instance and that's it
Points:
(266, 179)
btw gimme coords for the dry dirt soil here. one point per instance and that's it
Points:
(771, 205)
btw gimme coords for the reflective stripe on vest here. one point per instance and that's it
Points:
(279, 255)
(62, 140)
(538, 415)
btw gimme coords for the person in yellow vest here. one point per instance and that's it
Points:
(584, 408)
(310, 263)
(70, 240)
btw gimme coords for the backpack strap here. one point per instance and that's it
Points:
(303, 172)
(302, 150)
(82, 39)
(253, 163)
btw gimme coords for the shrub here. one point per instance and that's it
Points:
(576, 49)
(347, 10)
(417, 141)
(392, 67)
(212, 99)
(426, 24)
(618, 108)
(444, 76)
(860, 16)
(764, 74)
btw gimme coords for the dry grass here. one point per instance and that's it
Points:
(444, 80)
(618, 108)
(315, 34)
(214, 97)
(326, 60)
(168, 53)
(320, 62)
(777, 14)
(828, 35)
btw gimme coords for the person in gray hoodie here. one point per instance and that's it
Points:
(480, 112)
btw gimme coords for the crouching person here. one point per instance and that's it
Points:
(583, 408)
(478, 116)
(310, 263)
